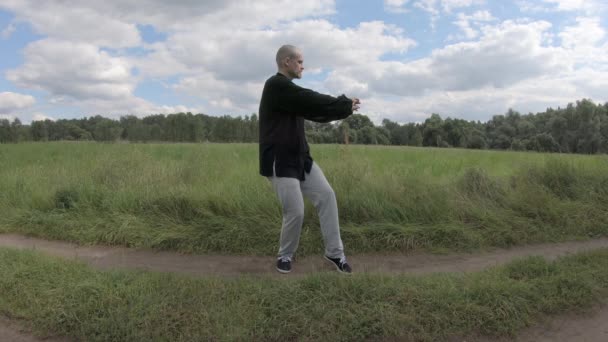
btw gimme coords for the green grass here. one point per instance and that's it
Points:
(210, 198)
(66, 298)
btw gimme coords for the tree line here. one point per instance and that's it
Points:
(578, 128)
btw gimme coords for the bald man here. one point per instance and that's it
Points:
(285, 156)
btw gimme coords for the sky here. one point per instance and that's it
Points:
(404, 59)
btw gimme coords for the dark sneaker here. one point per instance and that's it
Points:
(284, 264)
(341, 265)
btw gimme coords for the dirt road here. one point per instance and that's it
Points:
(12, 331)
(563, 328)
(104, 257)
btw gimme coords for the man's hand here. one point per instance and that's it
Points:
(356, 104)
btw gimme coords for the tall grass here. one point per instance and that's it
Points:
(70, 299)
(210, 198)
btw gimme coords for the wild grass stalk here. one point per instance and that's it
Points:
(210, 198)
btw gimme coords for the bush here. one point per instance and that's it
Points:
(66, 199)
(476, 183)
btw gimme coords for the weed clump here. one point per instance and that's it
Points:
(66, 198)
(180, 208)
(557, 176)
(530, 268)
(476, 183)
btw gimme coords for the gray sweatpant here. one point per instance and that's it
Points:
(316, 188)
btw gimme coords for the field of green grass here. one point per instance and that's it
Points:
(210, 198)
(69, 299)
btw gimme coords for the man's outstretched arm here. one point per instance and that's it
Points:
(314, 106)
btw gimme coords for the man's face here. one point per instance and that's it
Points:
(295, 65)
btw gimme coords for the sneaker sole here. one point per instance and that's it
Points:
(283, 271)
(336, 266)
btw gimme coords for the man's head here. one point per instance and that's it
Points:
(290, 61)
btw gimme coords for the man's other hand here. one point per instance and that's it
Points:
(356, 104)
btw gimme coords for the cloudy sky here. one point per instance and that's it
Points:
(405, 59)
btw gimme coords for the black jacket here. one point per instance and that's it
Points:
(283, 108)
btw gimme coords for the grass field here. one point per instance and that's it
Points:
(70, 299)
(210, 198)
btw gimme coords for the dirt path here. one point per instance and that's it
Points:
(588, 327)
(563, 328)
(104, 257)
(592, 327)
(11, 331)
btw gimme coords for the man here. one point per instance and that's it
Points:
(285, 156)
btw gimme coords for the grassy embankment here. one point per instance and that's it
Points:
(210, 198)
(65, 298)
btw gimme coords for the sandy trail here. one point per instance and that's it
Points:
(12, 331)
(592, 327)
(569, 327)
(104, 257)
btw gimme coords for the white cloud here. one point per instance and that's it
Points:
(429, 6)
(209, 45)
(76, 70)
(585, 43)
(75, 23)
(217, 71)
(395, 6)
(111, 21)
(510, 66)
(7, 117)
(161, 61)
(11, 102)
(505, 54)
(128, 106)
(449, 5)
(249, 54)
(588, 32)
(481, 16)
(534, 95)
(84, 76)
(223, 95)
(468, 24)
(590, 7)
(569, 5)
(217, 54)
(38, 116)
(436, 7)
(8, 31)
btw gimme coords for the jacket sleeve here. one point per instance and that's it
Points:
(313, 106)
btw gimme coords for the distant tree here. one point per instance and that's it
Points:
(5, 131)
(578, 128)
(367, 135)
(358, 121)
(457, 132)
(107, 130)
(477, 140)
(74, 132)
(39, 131)
(16, 131)
(544, 142)
(432, 131)
(519, 145)
(343, 133)
(416, 135)
(589, 132)
(382, 136)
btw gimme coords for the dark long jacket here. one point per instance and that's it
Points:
(283, 108)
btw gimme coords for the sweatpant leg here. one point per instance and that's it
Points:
(290, 195)
(316, 188)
